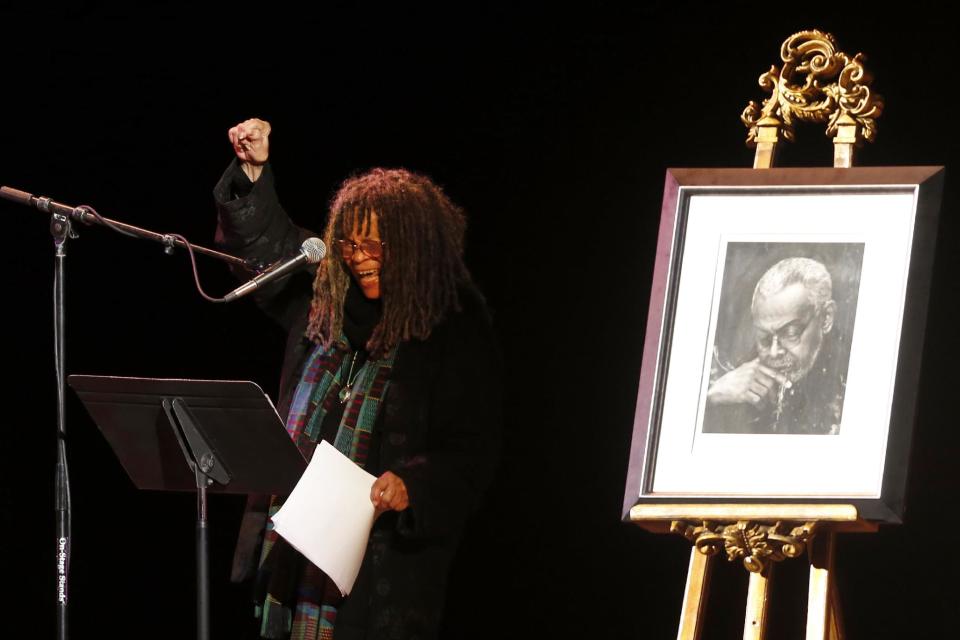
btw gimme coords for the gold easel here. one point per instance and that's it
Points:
(817, 83)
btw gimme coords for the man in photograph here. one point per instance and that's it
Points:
(795, 383)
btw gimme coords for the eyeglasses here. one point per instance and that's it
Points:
(373, 248)
(787, 336)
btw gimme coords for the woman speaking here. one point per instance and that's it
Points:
(390, 358)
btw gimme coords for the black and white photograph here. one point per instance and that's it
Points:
(782, 344)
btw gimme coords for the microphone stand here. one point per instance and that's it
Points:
(61, 231)
(61, 228)
(88, 216)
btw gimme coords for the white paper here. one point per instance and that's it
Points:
(328, 516)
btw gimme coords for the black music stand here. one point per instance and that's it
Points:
(182, 435)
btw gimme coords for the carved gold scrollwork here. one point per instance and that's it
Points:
(818, 83)
(754, 543)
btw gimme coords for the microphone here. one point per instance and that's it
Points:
(311, 252)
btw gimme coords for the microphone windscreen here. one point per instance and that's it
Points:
(314, 249)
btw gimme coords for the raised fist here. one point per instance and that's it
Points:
(251, 143)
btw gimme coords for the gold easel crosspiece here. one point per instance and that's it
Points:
(817, 83)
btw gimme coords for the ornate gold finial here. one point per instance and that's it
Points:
(754, 543)
(818, 83)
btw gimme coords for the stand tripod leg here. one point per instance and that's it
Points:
(823, 606)
(755, 621)
(835, 628)
(695, 596)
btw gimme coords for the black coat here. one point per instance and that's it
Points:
(438, 429)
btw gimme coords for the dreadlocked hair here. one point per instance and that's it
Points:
(422, 265)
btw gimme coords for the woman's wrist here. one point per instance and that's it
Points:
(252, 171)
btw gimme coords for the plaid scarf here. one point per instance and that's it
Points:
(284, 576)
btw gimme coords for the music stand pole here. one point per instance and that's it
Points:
(206, 467)
(61, 231)
(203, 559)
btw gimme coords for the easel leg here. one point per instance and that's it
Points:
(695, 596)
(755, 622)
(823, 605)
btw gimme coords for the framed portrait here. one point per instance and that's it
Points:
(783, 340)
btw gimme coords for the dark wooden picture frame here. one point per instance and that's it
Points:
(881, 220)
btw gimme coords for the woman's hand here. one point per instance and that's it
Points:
(251, 143)
(389, 493)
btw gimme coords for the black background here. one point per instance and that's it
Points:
(553, 129)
